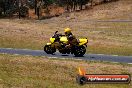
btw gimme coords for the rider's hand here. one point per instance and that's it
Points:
(67, 45)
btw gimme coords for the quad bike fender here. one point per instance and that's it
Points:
(48, 43)
(52, 40)
(64, 39)
(83, 41)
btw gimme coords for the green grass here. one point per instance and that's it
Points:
(104, 37)
(23, 43)
(42, 72)
(117, 50)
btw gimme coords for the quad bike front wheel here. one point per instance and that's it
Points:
(79, 51)
(49, 50)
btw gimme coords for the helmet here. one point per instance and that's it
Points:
(67, 30)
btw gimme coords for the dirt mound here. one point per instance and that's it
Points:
(56, 11)
(119, 10)
(53, 11)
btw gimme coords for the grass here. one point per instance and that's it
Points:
(104, 37)
(42, 72)
(116, 50)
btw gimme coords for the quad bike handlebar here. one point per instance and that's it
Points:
(56, 34)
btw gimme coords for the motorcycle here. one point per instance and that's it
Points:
(77, 50)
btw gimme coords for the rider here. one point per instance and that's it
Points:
(72, 41)
(71, 38)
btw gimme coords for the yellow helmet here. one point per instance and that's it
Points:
(68, 30)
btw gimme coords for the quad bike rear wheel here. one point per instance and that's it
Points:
(49, 50)
(79, 51)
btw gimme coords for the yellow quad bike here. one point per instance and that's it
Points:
(61, 40)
